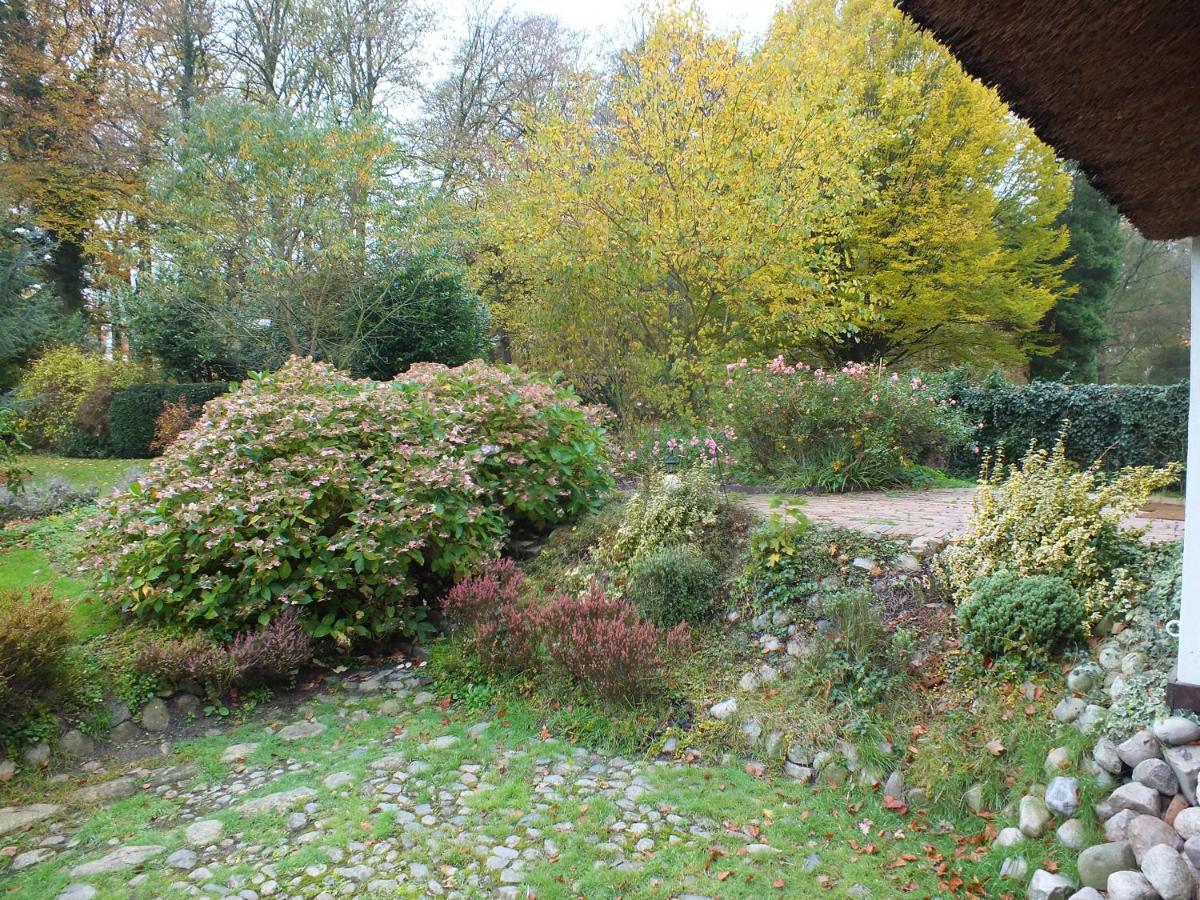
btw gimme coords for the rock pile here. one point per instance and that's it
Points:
(1150, 815)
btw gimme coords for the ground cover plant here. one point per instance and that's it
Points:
(308, 489)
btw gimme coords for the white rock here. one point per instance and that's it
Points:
(1185, 763)
(121, 858)
(1141, 746)
(203, 833)
(1071, 835)
(14, 818)
(1130, 885)
(1068, 709)
(335, 780)
(1145, 832)
(723, 710)
(1033, 816)
(234, 752)
(1049, 886)
(1015, 868)
(1008, 837)
(1187, 823)
(1154, 773)
(278, 802)
(30, 858)
(1136, 797)
(1176, 730)
(1168, 873)
(1106, 757)
(299, 731)
(1062, 795)
(1116, 828)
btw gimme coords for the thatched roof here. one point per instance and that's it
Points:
(1112, 84)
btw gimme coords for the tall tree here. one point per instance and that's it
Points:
(955, 248)
(258, 244)
(1147, 315)
(63, 151)
(509, 69)
(370, 51)
(1077, 321)
(689, 206)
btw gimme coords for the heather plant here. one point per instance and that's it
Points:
(192, 658)
(344, 499)
(267, 657)
(850, 429)
(477, 597)
(273, 654)
(1044, 516)
(601, 643)
(509, 639)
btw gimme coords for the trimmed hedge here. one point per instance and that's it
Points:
(1115, 424)
(133, 411)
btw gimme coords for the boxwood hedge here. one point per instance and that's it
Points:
(133, 411)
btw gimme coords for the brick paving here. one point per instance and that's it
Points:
(934, 514)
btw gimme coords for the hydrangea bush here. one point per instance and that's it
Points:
(344, 498)
(855, 428)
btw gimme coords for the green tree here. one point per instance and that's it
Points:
(844, 191)
(688, 207)
(1077, 321)
(268, 223)
(419, 309)
(31, 315)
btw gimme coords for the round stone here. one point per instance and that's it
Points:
(1167, 872)
(1176, 730)
(1098, 862)
(1154, 773)
(1062, 795)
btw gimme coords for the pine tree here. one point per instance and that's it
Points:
(1077, 321)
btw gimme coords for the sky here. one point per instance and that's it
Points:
(594, 16)
(601, 21)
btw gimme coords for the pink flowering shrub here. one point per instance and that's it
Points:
(858, 427)
(476, 598)
(645, 450)
(340, 498)
(601, 643)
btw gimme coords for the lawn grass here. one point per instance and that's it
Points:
(81, 474)
(759, 836)
(43, 554)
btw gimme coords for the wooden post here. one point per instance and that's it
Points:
(1183, 690)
